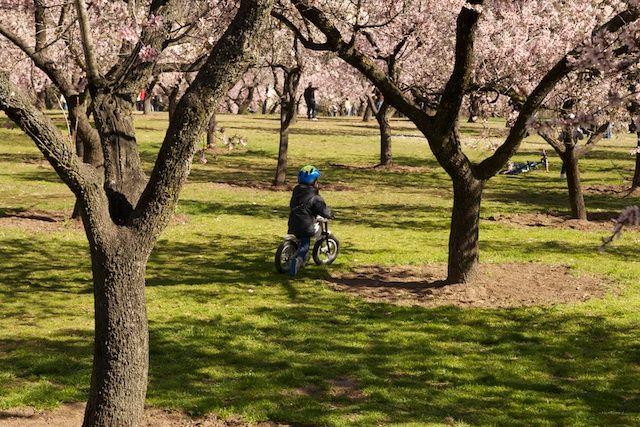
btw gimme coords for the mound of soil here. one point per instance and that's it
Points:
(71, 414)
(598, 221)
(496, 286)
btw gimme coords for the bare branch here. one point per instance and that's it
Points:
(557, 145)
(46, 136)
(455, 88)
(87, 42)
(306, 42)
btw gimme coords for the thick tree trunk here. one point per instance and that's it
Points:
(283, 149)
(382, 116)
(146, 106)
(635, 183)
(120, 362)
(576, 196)
(474, 109)
(463, 238)
(173, 101)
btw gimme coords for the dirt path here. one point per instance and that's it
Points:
(498, 286)
(71, 414)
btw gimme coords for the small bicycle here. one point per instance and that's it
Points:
(325, 250)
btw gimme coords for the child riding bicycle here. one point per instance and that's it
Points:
(306, 203)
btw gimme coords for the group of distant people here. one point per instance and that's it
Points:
(156, 101)
(347, 108)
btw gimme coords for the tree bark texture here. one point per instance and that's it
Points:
(576, 196)
(86, 138)
(464, 234)
(121, 346)
(287, 114)
(635, 183)
(211, 129)
(382, 117)
(173, 101)
(124, 177)
(367, 113)
(243, 107)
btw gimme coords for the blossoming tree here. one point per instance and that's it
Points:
(337, 27)
(124, 211)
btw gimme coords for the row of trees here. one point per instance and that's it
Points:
(539, 60)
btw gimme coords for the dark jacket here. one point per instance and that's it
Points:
(306, 203)
(310, 94)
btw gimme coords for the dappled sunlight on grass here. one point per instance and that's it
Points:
(229, 335)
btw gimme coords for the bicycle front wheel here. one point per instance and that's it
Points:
(325, 251)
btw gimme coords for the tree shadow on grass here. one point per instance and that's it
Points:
(255, 343)
(380, 215)
(403, 365)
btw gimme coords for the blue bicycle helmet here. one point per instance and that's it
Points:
(308, 175)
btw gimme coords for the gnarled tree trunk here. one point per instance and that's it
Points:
(243, 107)
(124, 178)
(86, 138)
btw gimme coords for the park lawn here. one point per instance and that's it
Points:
(230, 336)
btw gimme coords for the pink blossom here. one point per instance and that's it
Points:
(148, 53)
(154, 23)
(129, 34)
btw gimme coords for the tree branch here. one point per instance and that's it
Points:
(47, 138)
(492, 165)
(41, 61)
(454, 90)
(229, 58)
(557, 145)
(362, 63)
(306, 42)
(93, 72)
(593, 140)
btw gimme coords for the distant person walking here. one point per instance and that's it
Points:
(347, 107)
(310, 100)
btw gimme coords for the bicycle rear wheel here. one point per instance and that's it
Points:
(286, 250)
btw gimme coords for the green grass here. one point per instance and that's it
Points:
(230, 336)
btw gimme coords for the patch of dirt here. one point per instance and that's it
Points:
(615, 190)
(71, 414)
(598, 221)
(48, 221)
(268, 186)
(497, 286)
(393, 168)
(39, 221)
(346, 388)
